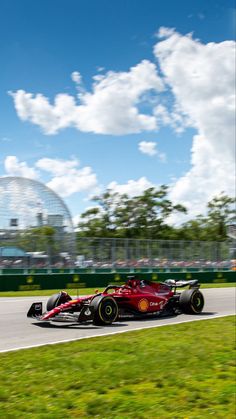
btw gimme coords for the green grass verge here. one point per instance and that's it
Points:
(182, 371)
(84, 291)
(81, 291)
(220, 285)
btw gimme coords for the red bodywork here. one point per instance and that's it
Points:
(134, 297)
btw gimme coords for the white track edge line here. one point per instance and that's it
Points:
(113, 333)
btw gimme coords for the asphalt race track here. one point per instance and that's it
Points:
(18, 332)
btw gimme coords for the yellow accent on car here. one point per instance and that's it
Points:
(143, 304)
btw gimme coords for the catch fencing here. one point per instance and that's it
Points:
(157, 253)
(112, 253)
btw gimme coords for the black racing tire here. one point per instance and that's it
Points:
(53, 301)
(105, 310)
(191, 301)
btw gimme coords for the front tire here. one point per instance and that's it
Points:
(105, 310)
(191, 301)
(53, 301)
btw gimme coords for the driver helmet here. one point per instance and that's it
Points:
(132, 281)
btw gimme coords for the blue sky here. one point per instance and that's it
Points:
(118, 94)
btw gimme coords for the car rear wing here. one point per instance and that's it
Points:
(172, 283)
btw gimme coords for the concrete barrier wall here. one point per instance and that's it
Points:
(64, 280)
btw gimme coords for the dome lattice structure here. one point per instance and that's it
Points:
(36, 220)
(27, 203)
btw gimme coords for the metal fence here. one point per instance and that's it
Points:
(156, 253)
(26, 250)
(67, 251)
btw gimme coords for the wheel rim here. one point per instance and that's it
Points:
(108, 311)
(197, 302)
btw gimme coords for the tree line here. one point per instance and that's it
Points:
(146, 216)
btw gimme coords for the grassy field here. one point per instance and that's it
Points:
(184, 371)
(85, 291)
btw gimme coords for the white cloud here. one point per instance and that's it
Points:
(202, 79)
(165, 32)
(14, 167)
(57, 167)
(162, 114)
(68, 178)
(148, 147)
(76, 77)
(38, 110)
(111, 108)
(76, 220)
(132, 187)
(174, 118)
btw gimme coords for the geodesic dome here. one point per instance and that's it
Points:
(27, 203)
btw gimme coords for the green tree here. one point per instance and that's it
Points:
(145, 216)
(212, 226)
(194, 229)
(38, 239)
(142, 217)
(99, 221)
(221, 212)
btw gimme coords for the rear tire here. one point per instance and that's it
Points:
(105, 310)
(191, 301)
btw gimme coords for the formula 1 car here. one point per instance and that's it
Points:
(135, 299)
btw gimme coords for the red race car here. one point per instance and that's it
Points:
(135, 299)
